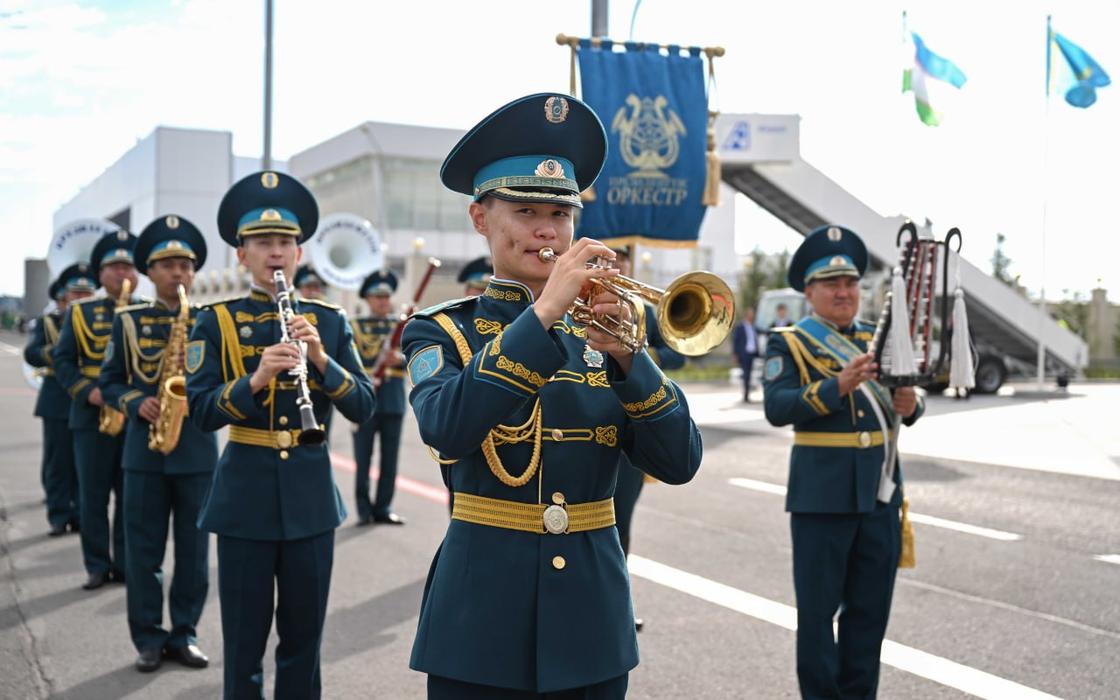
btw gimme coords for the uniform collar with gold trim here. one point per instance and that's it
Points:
(847, 330)
(507, 293)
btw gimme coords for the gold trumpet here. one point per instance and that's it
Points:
(111, 420)
(694, 313)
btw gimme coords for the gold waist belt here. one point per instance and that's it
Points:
(861, 440)
(274, 439)
(533, 517)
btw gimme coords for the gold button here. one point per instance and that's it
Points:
(557, 434)
(283, 420)
(865, 439)
(860, 413)
(558, 498)
(283, 454)
(283, 439)
(558, 563)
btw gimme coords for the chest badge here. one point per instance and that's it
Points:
(146, 330)
(246, 332)
(99, 317)
(591, 357)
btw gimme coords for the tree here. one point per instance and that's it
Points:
(1072, 312)
(761, 272)
(1001, 264)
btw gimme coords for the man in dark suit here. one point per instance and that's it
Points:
(744, 341)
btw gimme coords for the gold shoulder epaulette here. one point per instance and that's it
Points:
(226, 300)
(443, 306)
(320, 302)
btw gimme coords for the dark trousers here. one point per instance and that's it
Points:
(98, 458)
(150, 499)
(746, 363)
(848, 563)
(390, 429)
(60, 475)
(626, 492)
(440, 688)
(252, 574)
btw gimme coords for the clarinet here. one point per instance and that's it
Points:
(310, 432)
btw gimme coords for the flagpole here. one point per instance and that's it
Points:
(1040, 371)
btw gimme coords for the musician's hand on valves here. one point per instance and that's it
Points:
(568, 277)
(607, 304)
(302, 329)
(274, 360)
(856, 372)
(905, 400)
(149, 409)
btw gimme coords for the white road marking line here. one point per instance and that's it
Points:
(988, 532)
(1109, 558)
(920, 663)
(10, 349)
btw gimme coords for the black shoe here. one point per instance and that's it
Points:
(116, 576)
(190, 656)
(364, 520)
(74, 526)
(149, 660)
(638, 624)
(388, 519)
(96, 580)
(57, 530)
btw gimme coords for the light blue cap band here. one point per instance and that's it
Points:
(831, 266)
(268, 220)
(547, 172)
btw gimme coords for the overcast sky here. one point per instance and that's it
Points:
(81, 82)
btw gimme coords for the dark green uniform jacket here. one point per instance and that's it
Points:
(272, 492)
(130, 373)
(537, 612)
(803, 391)
(53, 401)
(371, 333)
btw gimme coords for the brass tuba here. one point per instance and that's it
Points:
(112, 420)
(163, 435)
(694, 313)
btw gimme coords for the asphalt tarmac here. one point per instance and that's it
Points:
(1015, 594)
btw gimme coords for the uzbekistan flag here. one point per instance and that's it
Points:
(1072, 72)
(930, 73)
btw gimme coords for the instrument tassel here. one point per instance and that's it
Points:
(714, 169)
(907, 558)
(961, 369)
(899, 346)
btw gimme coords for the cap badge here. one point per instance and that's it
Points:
(172, 221)
(270, 180)
(837, 260)
(556, 109)
(550, 168)
(834, 233)
(122, 235)
(270, 214)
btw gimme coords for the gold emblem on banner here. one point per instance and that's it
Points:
(650, 134)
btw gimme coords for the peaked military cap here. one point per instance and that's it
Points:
(379, 283)
(304, 275)
(829, 251)
(477, 272)
(77, 276)
(114, 247)
(267, 202)
(170, 236)
(544, 148)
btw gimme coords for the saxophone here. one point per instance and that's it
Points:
(163, 435)
(112, 420)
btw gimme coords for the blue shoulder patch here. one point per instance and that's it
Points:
(425, 364)
(196, 351)
(108, 351)
(773, 368)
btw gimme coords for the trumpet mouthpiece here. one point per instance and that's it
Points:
(546, 255)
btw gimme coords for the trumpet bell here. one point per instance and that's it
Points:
(696, 313)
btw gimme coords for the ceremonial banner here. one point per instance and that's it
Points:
(655, 110)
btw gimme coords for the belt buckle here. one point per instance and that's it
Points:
(283, 439)
(865, 439)
(555, 520)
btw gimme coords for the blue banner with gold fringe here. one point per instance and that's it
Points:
(654, 106)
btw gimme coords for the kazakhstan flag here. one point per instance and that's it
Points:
(1072, 72)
